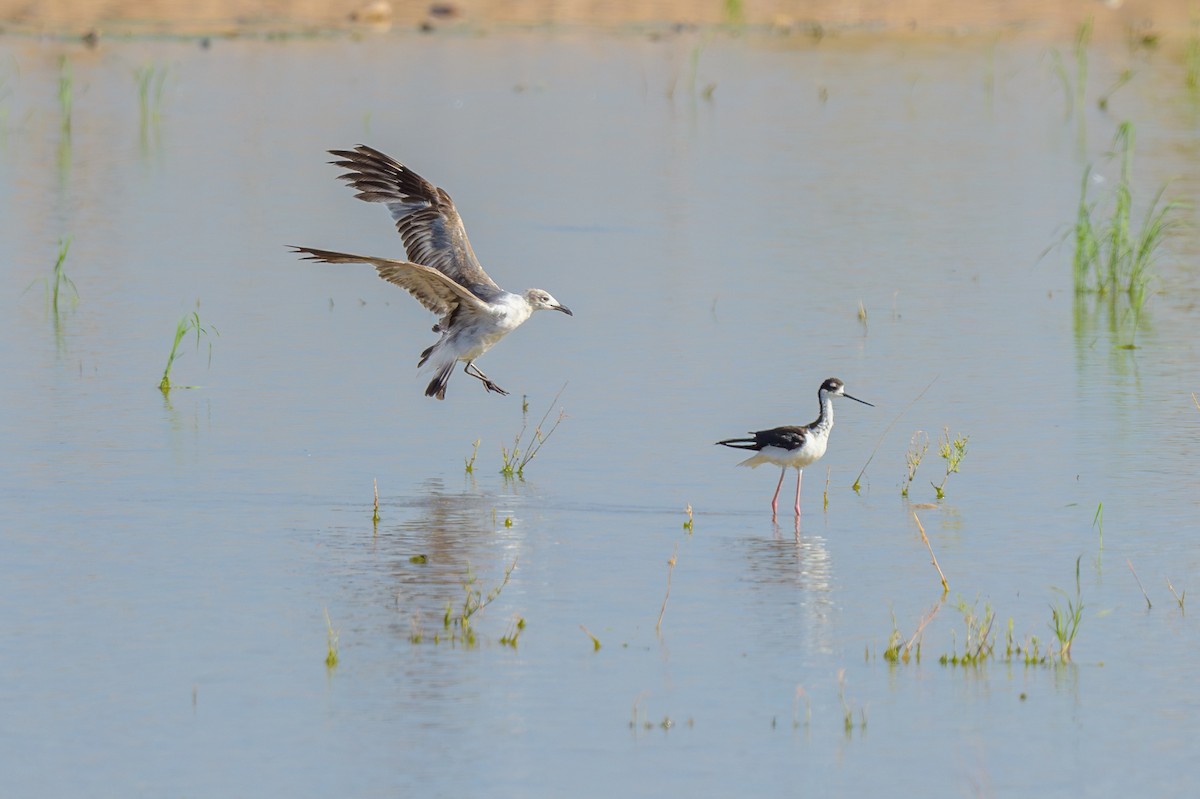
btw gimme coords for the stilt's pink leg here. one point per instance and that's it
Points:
(799, 477)
(775, 499)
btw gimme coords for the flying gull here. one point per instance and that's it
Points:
(443, 273)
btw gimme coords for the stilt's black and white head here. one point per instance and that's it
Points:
(833, 387)
(542, 301)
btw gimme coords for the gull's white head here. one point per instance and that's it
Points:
(542, 301)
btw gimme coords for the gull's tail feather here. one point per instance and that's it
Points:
(437, 386)
(331, 257)
(442, 363)
(427, 352)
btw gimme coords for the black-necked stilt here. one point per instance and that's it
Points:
(443, 275)
(794, 446)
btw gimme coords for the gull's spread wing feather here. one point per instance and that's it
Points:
(433, 289)
(425, 215)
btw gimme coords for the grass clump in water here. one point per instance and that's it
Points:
(4, 93)
(978, 643)
(515, 460)
(66, 94)
(670, 569)
(331, 643)
(595, 640)
(1179, 595)
(1075, 92)
(735, 12)
(1111, 259)
(952, 451)
(1192, 61)
(375, 508)
(901, 651)
(150, 80)
(917, 448)
(848, 722)
(457, 621)
(515, 627)
(1064, 621)
(892, 653)
(187, 324)
(58, 281)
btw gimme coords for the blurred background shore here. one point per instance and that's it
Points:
(1141, 18)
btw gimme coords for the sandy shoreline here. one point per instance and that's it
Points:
(1160, 18)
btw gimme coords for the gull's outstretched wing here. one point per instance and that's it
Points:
(436, 291)
(432, 230)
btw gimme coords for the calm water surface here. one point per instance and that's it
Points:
(165, 562)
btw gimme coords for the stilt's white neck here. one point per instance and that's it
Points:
(825, 421)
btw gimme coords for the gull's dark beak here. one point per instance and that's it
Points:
(564, 309)
(856, 399)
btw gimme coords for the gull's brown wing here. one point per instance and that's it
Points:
(432, 230)
(433, 289)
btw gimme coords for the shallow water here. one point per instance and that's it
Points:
(165, 561)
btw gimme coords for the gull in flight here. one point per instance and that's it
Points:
(795, 446)
(443, 274)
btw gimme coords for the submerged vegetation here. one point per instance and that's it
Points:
(670, 570)
(1075, 88)
(150, 80)
(1191, 59)
(848, 714)
(66, 94)
(58, 280)
(4, 93)
(932, 557)
(456, 621)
